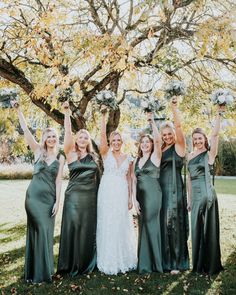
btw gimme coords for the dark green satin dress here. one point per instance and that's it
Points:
(40, 198)
(174, 214)
(149, 197)
(206, 254)
(77, 252)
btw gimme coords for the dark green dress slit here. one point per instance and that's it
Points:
(174, 214)
(77, 252)
(149, 197)
(206, 254)
(40, 198)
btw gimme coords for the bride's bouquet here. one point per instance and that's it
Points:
(6, 96)
(107, 98)
(222, 97)
(174, 88)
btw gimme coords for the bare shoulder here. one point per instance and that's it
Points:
(190, 156)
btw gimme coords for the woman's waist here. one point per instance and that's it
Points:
(197, 177)
(114, 174)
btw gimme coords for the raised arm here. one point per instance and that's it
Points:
(214, 139)
(156, 137)
(180, 144)
(103, 140)
(58, 185)
(30, 140)
(68, 138)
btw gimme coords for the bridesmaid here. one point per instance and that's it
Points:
(203, 202)
(174, 214)
(77, 251)
(41, 203)
(147, 200)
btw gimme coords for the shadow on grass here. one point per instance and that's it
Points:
(131, 283)
(13, 233)
(228, 276)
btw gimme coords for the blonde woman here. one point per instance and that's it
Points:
(174, 214)
(116, 241)
(77, 252)
(41, 203)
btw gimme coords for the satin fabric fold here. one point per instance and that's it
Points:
(206, 255)
(40, 198)
(174, 214)
(149, 196)
(77, 251)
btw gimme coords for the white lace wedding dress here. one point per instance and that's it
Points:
(116, 239)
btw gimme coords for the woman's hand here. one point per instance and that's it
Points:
(15, 104)
(189, 206)
(174, 101)
(150, 117)
(130, 204)
(66, 106)
(103, 109)
(55, 209)
(221, 109)
(137, 207)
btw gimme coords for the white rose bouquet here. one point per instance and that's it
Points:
(175, 88)
(107, 98)
(222, 97)
(6, 96)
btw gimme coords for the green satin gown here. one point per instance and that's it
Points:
(149, 197)
(206, 254)
(40, 198)
(174, 214)
(77, 252)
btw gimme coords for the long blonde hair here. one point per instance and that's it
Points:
(89, 147)
(171, 127)
(43, 145)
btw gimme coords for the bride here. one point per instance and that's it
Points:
(116, 240)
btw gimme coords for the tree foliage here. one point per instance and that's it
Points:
(56, 50)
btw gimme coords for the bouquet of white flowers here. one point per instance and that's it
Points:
(107, 98)
(222, 97)
(174, 88)
(151, 105)
(6, 95)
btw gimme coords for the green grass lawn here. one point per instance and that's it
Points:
(12, 242)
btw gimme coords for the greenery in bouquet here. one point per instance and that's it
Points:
(6, 96)
(222, 97)
(174, 88)
(107, 98)
(66, 94)
(151, 105)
